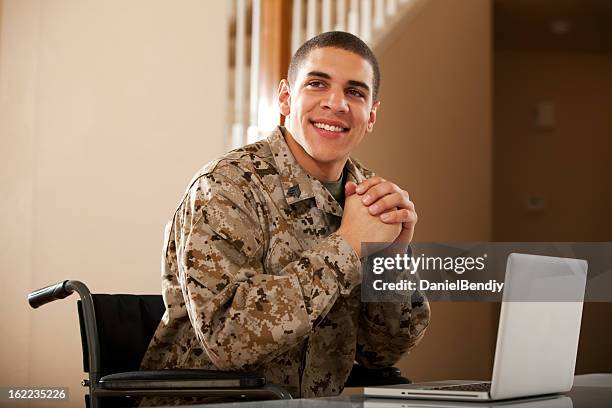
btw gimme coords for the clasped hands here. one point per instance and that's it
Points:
(377, 210)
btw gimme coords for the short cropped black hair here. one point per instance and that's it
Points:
(336, 39)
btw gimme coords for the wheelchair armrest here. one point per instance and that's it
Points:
(369, 377)
(181, 379)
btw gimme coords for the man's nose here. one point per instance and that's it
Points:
(335, 100)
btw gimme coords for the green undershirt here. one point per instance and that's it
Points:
(336, 188)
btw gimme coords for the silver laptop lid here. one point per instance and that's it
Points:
(537, 338)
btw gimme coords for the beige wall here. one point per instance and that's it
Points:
(107, 108)
(433, 137)
(569, 166)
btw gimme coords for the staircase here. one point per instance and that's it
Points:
(265, 33)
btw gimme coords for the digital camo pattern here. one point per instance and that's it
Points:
(254, 278)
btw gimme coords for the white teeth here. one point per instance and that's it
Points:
(328, 127)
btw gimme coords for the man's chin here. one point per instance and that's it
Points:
(326, 159)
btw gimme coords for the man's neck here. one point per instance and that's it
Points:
(326, 172)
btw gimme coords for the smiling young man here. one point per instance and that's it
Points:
(261, 264)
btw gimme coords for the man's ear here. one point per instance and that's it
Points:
(372, 118)
(284, 97)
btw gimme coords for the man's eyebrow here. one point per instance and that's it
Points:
(319, 74)
(351, 82)
(359, 84)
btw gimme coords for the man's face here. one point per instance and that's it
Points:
(329, 107)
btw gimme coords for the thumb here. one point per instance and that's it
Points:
(349, 188)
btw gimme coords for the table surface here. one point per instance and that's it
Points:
(593, 396)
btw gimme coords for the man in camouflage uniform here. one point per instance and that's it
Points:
(261, 268)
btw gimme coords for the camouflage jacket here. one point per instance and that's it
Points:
(254, 278)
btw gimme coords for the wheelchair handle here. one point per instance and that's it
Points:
(48, 294)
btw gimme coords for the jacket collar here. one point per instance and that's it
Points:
(299, 185)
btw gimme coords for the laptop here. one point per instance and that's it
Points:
(537, 337)
(554, 401)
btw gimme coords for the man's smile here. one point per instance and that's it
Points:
(329, 128)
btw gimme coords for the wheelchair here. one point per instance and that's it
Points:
(115, 333)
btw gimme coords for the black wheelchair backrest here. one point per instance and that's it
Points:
(126, 324)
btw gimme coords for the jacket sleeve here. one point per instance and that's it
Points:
(388, 330)
(242, 316)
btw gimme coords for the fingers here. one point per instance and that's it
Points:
(407, 217)
(367, 184)
(389, 199)
(350, 188)
(380, 190)
(385, 199)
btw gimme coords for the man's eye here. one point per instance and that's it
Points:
(316, 84)
(355, 92)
